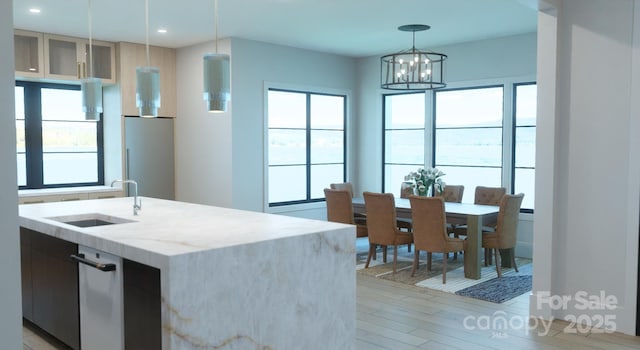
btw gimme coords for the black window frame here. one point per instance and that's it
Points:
(384, 134)
(308, 130)
(435, 117)
(513, 144)
(33, 137)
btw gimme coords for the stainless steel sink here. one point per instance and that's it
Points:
(89, 223)
(90, 220)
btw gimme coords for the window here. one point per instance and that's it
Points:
(404, 127)
(468, 137)
(56, 146)
(20, 137)
(306, 145)
(525, 143)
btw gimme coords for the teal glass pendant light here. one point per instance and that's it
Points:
(90, 86)
(217, 91)
(147, 81)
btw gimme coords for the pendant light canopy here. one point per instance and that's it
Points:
(147, 81)
(217, 91)
(90, 86)
(412, 69)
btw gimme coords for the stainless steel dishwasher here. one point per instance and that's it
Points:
(101, 300)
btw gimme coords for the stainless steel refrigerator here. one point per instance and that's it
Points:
(149, 156)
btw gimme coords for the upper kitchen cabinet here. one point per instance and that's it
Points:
(28, 54)
(68, 58)
(131, 56)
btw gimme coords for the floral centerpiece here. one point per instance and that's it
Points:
(425, 180)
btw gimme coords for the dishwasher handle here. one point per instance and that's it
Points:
(100, 266)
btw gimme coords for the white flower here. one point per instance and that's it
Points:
(427, 178)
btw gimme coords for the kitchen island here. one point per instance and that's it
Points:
(228, 279)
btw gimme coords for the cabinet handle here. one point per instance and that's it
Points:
(102, 267)
(78, 70)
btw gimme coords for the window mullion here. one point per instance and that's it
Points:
(33, 135)
(308, 141)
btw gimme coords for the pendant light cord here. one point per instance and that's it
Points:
(146, 24)
(215, 19)
(90, 41)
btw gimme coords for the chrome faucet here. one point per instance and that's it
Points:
(137, 204)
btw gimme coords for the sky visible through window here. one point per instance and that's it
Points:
(69, 142)
(469, 145)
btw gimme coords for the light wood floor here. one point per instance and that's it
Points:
(396, 316)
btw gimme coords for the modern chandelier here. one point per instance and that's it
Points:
(412, 69)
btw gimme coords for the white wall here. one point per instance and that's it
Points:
(220, 159)
(255, 63)
(202, 139)
(10, 302)
(594, 176)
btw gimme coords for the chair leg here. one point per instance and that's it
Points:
(444, 270)
(372, 251)
(513, 260)
(409, 248)
(416, 260)
(497, 253)
(428, 261)
(488, 257)
(384, 254)
(395, 258)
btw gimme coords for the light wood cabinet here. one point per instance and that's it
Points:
(28, 54)
(67, 58)
(71, 196)
(131, 56)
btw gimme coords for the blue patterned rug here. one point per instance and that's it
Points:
(499, 290)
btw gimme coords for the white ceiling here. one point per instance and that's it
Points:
(354, 28)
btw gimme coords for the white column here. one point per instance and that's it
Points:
(10, 303)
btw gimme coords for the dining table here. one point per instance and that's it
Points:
(474, 216)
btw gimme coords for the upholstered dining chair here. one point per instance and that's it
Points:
(489, 195)
(485, 196)
(430, 232)
(382, 225)
(340, 209)
(506, 234)
(452, 193)
(406, 190)
(347, 186)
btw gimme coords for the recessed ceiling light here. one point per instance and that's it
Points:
(34, 10)
(162, 31)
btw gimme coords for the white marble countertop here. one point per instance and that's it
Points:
(164, 228)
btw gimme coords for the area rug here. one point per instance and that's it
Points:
(487, 288)
(499, 290)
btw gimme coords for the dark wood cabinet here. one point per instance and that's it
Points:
(25, 264)
(50, 293)
(50, 285)
(142, 306)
